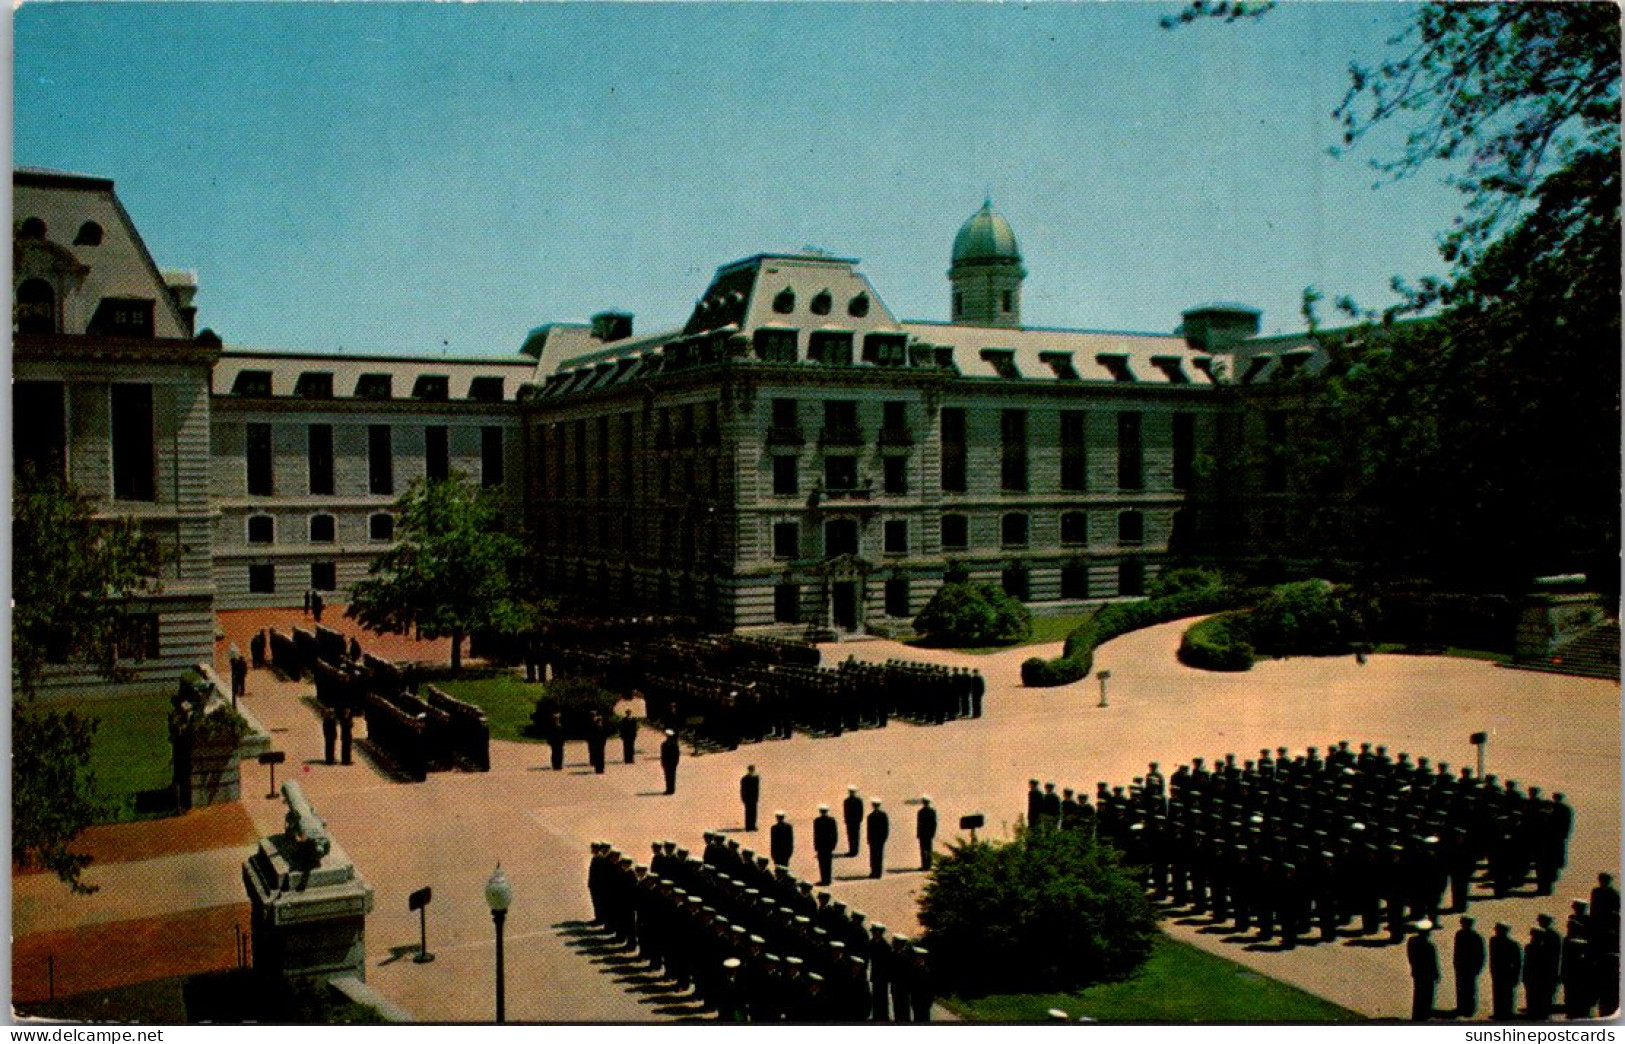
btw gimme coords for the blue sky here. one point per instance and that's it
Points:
(376, 178)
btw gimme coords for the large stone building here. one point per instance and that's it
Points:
(795, 455)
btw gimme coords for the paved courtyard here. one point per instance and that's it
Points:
(1560, 733)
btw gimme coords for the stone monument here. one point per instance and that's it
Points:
(310, 905)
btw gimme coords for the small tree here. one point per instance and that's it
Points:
(973, 614)
(448, 573)
(72, 577)
(1051, 910)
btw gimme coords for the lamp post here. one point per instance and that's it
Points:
(498, 894)
(1102, 675)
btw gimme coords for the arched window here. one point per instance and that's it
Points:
(821, 303)
(858, 307)
(90, 234)
(34, 311)
(785, 301)
(321, 529)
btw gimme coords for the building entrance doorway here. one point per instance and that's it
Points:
(844, 605)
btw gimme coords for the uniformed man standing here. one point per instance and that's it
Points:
(629, 737)
(330, 733)
(878, 829)
(826, 835)
(1467, 961)
(239, 675)
(670, 754)
(597, 738)
(555, 741)
(925, 828)
(1506, 969)
(1424, 961)
(750, 792)
(781, 840)
(852, 812)
(1542, 958)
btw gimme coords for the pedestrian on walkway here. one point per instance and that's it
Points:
(629, 737)
(852, 813)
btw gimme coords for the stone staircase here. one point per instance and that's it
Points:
(1594, 654)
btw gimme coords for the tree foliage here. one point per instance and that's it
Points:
(448, 574)
(973, 614)
(71, 579)
(1052, 910)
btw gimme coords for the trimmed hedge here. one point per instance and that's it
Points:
(1218, 643)
(973, 614)
(1078, 659)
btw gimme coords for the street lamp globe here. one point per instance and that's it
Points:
(498, 893)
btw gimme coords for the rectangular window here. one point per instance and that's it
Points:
(1131, 528)
(1014, 581)
(840, 537)
(897, 601)
(785, 413)
(1074, 528)
(1013, 450)
(436, 453)
(841, 423)
(39, 429)
(786, 540)
(1013, 530)
(320, 452)
(262, 578)
(374, 386)
(830, 347)
(122, 317)
(1074, 451)
(953, 450)
(490, 457)
(261, 529)
(787, 603)
(252, 384)
(1074, 581)
(897, 537)
(137, 637)
(784, 475)
(1131, 578)
(1130, 472)
(776, 345)
(323, 576)
(885, 349)
(261, 479)
(895, 474)
(380, 461)
(955, 531)
(1184, 450)
(135, 458)
(840, 473)
(314, 384)
(321, 529)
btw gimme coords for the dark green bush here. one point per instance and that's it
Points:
(1119, 618)
(1218, 643)
(1185, 580)
(973, 614)
(576, 700)
(1304, 618)
(1051, 910)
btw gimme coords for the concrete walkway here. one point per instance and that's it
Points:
(1556, 732)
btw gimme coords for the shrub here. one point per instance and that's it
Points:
(1218, 643)
(1051, 910)
(1304, 617)
(1119, 618)
(576, 700)
(1185, 580)
(973, 614)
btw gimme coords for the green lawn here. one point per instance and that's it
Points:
(1178, 984)
(506, 700)
(1045, 629)
(130, 752)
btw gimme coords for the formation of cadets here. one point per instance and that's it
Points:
(730, 689)
(1353, 842)
(754, 942)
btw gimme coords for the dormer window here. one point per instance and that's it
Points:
(1003, 361)
(1061, 363)
(1204, 365)
(31, 228)
(252, 384)
(488, 389)
(35, 309)
(945, 358)
(1171, 368)
(314, 384)
(858, 307)
(784, 302)
(90, 234)
(1117, 366)
(375, 386)
(821, 303)
(885, 349)
(122, 317)
(1255, 367)
(830, 347)
(774, 345)
(432, 388)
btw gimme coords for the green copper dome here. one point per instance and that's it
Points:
(986, 236)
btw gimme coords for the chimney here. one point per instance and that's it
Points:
(182, 287)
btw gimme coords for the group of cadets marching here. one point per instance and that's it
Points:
(1358, 842)
(754, 942)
